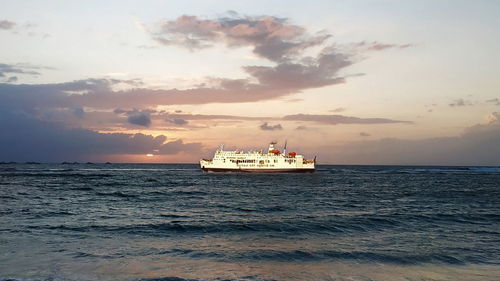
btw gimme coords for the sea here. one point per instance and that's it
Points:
(166, 222)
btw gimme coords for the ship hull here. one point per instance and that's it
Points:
(262, 171)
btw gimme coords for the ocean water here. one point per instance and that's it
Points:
(174, 222)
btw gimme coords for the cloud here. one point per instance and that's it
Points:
(178, 121)
(141, 119)
(460, 102)
(267, 127)
(493, 118)
(30, 139)
(6, 25)
(17, 69)
(363, 134)
(293, 77)
(119, 111)
(338, 109)
(271, 37)
(12, 79)
(177, 146)
(324, 119)
(478, 145)
(378, 46)
(341, 119)
(495, 101)
(274, 82)
(46, 101)
(182, 119)
(79, 112)
(188, 116)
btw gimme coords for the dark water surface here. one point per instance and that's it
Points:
(173, 222)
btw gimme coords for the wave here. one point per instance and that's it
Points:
(244, 278)
(124, 169)
(286, 228)
(408, 169)
(83, 188)
(307, 225)
(187, 192)
(268, 255)
(52, 174)
(117, 194)
(173, 216)
(446, 170)
(172, 278)
(373, 257)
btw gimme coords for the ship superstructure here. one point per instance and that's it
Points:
(258, 161)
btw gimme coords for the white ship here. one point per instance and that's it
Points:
(257, 161)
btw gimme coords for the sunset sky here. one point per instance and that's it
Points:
(352, 82)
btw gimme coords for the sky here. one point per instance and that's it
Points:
(351, 82)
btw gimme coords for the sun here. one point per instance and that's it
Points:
(150, 155)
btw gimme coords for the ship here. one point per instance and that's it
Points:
(258, 161)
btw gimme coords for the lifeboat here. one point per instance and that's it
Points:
(292, 154)
(275, 152)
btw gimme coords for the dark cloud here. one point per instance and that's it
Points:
(460, 102)
(12, 79)
(363, 134)
(79, 112)
(177, 146)
(300, 128)
(30, 139)
(178, 121)
(5, 24)
(267, 127)
(340, 119)
(141, 119)
(136, 116)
